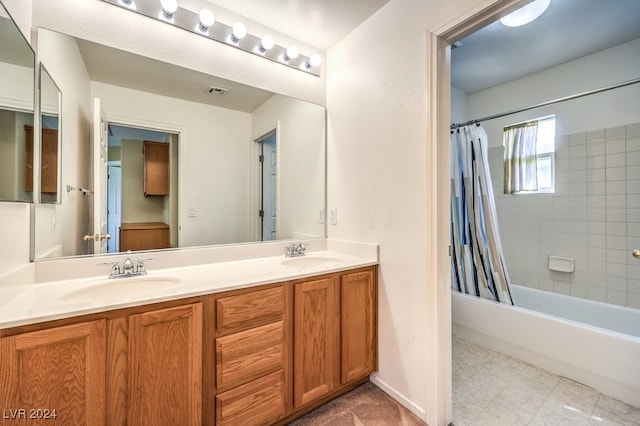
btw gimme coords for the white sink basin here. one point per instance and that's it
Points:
(310, 261)
(122, 289)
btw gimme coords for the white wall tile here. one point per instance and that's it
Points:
(596, 188)
(616, 283)
(597, 175)
(617, 297)
(633, 186)
(596, 148)
(615, 146)
(616, 160)
(579, 151)
(616, 215)
(597, 293)
(616, 187)
(616, 242)
(633, 130)
(633, 215)
(616, 173)
(617, 270)
(633, 158)
(615, 228)
(578, 163)
(616, 256)
(633, 144)
(616, 201)
(578, 139)
(618, 132)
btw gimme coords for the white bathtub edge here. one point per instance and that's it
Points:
(514, 336)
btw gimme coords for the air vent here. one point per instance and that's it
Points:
(220, 91)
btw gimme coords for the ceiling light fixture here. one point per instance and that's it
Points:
(169, 7)
(314, 61)
(526, 14)
(292, 52)
(207, 19)
(267, 42)
(238, 32)
(205, 24)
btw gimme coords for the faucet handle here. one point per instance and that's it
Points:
(115, 267)
(140, 266)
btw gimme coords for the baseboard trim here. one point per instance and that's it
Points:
(397, 396)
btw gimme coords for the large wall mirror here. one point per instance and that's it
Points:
(16, 112)
(183, 158)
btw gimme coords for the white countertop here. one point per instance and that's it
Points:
(45, 301)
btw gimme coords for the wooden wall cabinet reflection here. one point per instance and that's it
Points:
(49, 161)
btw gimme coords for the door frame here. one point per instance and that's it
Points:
(255, 202)
(439, 405)
(179, 130)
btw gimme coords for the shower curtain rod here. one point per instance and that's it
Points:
(555, 101)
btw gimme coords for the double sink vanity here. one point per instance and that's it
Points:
(240, 340)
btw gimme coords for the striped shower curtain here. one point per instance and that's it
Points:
(477, 260)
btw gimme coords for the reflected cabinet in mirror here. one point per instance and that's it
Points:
(17, 61)
(158, 156)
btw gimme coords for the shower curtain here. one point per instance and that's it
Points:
(477, 260)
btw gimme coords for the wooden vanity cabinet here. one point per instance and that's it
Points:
(335, 333)
(358, 324)
(252, 352)
(56, 375)
(317, 339)
(165, 367)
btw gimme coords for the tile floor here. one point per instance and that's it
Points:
(490, 388)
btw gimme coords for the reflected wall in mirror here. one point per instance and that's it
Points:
(17, 61)
(216, 128)
(51, 138)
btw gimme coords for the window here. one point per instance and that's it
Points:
(521, 159)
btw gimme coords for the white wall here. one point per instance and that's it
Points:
(64, 224)
(301, 191)
(377, 103)
(20, 11)
(614, 108)
(216, 144)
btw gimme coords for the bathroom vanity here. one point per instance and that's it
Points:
(265, 341)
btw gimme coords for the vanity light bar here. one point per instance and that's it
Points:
(169, 11)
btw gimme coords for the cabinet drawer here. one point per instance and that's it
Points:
(248, 309)
(243, 356)
(260, 402)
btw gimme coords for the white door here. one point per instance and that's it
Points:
(114, 208)
(100, 158)
(269, 181)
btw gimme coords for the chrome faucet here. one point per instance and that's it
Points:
(128, 268)
(294, 250)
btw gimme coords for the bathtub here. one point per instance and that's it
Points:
(593, 343)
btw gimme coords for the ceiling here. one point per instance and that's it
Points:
(569, 29)
(318, 23)
(104, 64)
(14, 49)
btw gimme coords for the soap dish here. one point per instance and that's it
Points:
(561, 264)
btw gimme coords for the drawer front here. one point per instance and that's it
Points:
(244, 310)
(260, 402)
(243, 356)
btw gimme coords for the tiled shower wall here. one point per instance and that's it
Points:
(593, 217)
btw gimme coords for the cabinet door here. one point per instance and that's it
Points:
(55, 372)
(165, 367)
(317, 339)
(156, 168)
(357, 325)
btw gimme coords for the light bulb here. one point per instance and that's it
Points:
(292, 52)
(207, 19)
(169, 7)
(314, 61)
(266, 43)
(238, 31)
(526, 14)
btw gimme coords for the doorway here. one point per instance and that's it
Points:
(127, 203)
(268, 166)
